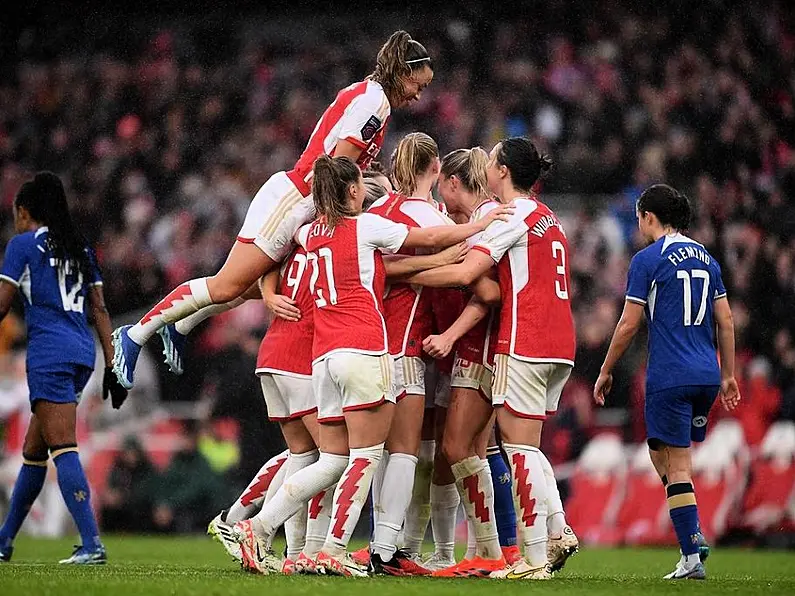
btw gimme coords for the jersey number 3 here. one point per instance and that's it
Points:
(687, 278)
(559, 254)
(324, 254)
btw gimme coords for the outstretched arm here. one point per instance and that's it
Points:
(401, 266)
(443, 236)
(626, 329)
(475, 264)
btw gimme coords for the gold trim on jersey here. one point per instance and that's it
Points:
(286, 204)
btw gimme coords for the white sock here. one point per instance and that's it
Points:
(556, 517)
(350, 496)
(318, 521)
(378, 483)
(530, 500)
(298, 490)
(295, 526)
(189, 323)
(473, 481)
(472, 543)
(419, 512)
(394, 499)
(444, 506)
(250, 501)
(184, 300)
(691, 560)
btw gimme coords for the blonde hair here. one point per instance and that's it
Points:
(397, 59)
(332, 176)
(469, 166)
(414, 155)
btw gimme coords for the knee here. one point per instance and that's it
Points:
(453, 449)
(223, 289)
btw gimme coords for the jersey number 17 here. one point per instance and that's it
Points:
(687, 278)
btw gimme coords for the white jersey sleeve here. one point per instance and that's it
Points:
(424, 214)
(477, 215)
(381, 233)
(365, 116)
(302, 235)
(500, 236)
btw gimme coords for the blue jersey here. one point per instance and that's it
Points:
(677, 281)
(55, 301)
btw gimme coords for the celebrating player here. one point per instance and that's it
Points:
(352, 369)
(407, 311)
(284, 365)
(463, 186)
(352, 126)
(679, 286)
(51, 264)
(535, 344)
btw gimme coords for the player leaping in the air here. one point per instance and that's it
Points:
(678, 284)
(352, 126)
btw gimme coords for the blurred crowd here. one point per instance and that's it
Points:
(163, 131)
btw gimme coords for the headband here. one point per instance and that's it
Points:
(428, 58)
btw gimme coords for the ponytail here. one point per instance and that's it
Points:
(523, 161)
(331, 178)
(414, 155)
(44, 198)
(398, 58)
(469, 166)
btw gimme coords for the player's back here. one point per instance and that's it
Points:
(677, 281)
(532, 254)
(287, 345)
(359, 115)
(347, 281)
(55, 294)
(407, 307)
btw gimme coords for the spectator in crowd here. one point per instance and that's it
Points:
(126, 502)
(188, 492)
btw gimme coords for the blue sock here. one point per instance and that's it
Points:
(76, 494)
(684, 515)
(504, 513)
(26, 489)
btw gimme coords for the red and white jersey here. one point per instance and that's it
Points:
(532, 256)
(286, 348)
(477, 345)
(446, 304)
(358, 115)
(347, 280)
(407, 308)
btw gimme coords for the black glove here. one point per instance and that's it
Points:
(111, 386)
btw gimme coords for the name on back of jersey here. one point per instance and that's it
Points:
(321, 229)
(681, 254)
(545, 223)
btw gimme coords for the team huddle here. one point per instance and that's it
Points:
(418, 346)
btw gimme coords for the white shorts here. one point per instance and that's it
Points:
(274, 216)
(347, 381)
(472, 375)
(528, 389)
(287, 397)
(409, 376)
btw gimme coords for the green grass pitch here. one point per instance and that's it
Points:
(171, 566)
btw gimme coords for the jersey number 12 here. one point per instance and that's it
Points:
(687, 278)
(70, 296)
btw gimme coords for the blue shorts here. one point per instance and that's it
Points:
(678, 415)
(61, 384)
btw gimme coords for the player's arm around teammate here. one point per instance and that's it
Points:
(354, 126)
(679, 286)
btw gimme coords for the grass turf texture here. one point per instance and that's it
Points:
(169, 566)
